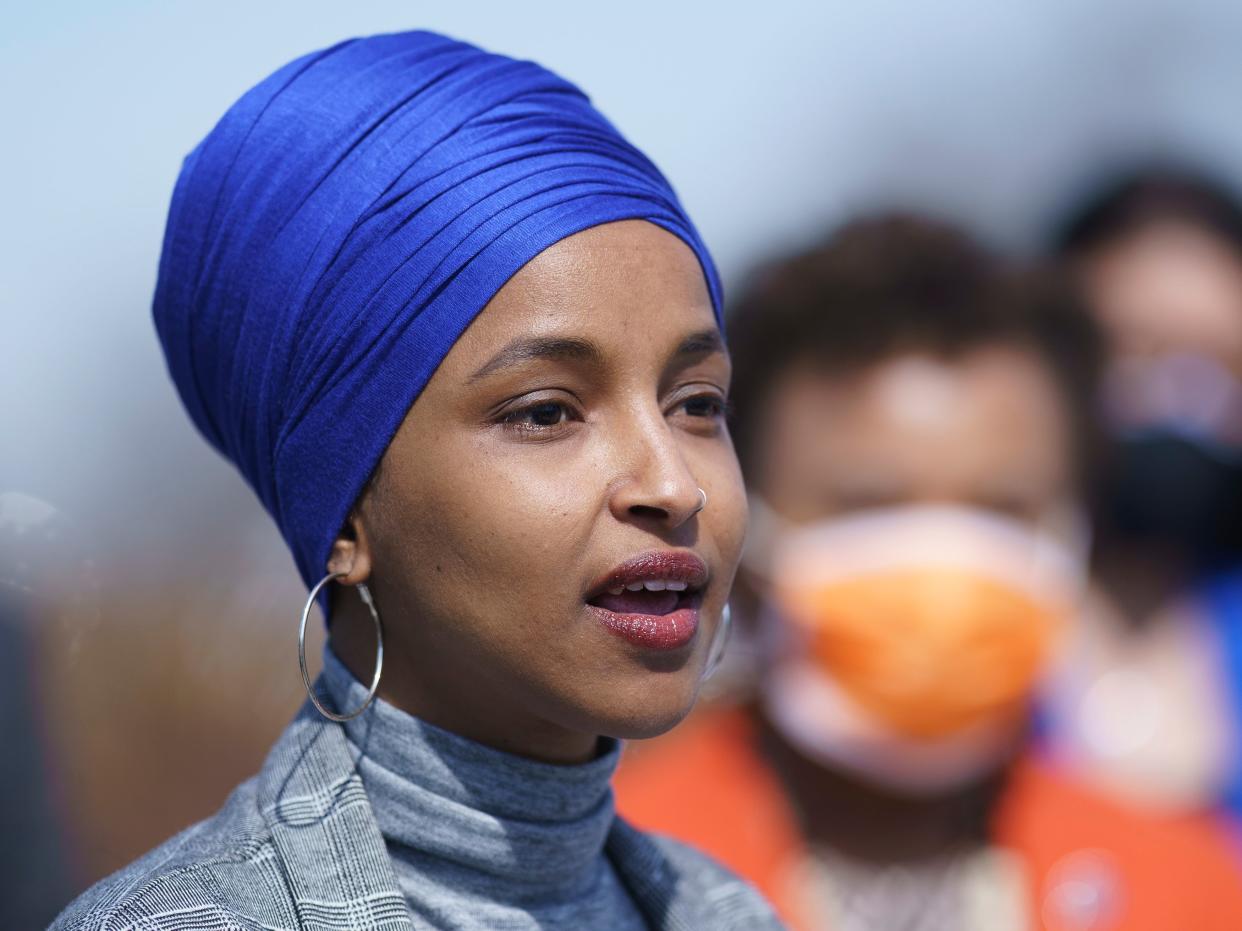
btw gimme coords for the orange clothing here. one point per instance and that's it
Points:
(707, 784)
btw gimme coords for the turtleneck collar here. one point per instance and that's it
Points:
(524, 827)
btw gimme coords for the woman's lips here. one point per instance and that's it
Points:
(643, 602)
(653, 599)
(644, 625)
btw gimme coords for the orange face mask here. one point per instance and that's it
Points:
(933, 621)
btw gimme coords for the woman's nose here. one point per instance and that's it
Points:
(658, 484)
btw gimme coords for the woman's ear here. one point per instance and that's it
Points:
(351, 552)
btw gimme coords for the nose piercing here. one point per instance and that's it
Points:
(703, 495)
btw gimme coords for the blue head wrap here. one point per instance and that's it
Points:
(340, 227)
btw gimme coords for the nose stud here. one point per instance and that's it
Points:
(703, 496)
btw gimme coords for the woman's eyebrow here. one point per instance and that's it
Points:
(702, 343)
(555, 348)
(573, 349)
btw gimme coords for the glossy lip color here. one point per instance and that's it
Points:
(677, 620)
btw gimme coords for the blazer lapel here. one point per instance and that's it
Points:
(332, 855)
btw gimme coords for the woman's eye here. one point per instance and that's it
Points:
(538, 416)
(705, 405)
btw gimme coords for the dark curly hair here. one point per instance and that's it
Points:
(885, 285)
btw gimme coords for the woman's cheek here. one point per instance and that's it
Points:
(732, 513)
(530, 521)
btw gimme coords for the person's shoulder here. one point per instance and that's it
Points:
(1049, 805)
(1183, 867)
(658, 867)
(218, 873)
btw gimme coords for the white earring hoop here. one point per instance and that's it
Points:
(720, 643)
(365, 594)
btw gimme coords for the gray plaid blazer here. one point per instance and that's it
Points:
(297, 847)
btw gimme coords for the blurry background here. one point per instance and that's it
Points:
(149, 607)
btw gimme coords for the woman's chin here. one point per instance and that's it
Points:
(638, 714)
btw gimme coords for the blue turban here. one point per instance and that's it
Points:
(340, 227)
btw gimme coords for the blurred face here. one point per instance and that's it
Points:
(1169, 288)
(910, 637)
(1169, 296)
(986, 429)
(533, 536)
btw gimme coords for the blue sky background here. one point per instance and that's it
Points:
(773, 120)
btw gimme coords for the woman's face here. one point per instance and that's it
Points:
(563, 439)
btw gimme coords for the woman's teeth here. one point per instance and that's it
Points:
(651, 585)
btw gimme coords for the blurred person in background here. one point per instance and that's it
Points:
(36, 868)
(462, 340)
(910, 420)
(1150, 703)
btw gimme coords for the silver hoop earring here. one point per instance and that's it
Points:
(720, 643)
(365, 594)
(703, 497)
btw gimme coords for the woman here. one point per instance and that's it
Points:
(464, 343)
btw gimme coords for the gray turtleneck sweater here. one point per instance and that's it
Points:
(340, 828)
(482, 839)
